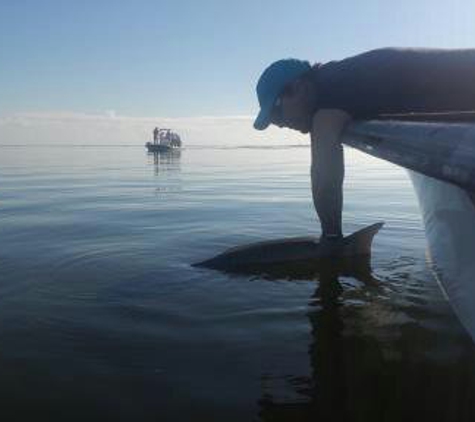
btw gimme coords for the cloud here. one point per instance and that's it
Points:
(109, 128)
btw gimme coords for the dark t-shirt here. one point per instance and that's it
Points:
(396, 80)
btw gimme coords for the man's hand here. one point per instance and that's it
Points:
(330, 245)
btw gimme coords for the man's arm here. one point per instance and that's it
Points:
(327, 169)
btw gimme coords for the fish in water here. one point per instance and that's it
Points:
(295, 255)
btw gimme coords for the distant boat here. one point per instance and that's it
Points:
(159, 147)
(164, 140)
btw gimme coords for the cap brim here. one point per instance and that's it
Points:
(262, 120)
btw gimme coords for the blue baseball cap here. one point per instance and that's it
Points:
(272, 82)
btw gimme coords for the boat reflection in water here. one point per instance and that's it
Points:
(165, 161)
(377, 356)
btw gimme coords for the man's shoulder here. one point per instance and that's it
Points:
(386, 53)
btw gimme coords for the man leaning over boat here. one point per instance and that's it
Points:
(324, 98)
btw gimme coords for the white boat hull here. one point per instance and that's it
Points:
(449, 219)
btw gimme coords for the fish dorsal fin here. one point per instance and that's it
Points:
(360, 241)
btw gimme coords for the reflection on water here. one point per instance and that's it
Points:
(103, 318)
(165, 160)
(371, 361)
(167, 168)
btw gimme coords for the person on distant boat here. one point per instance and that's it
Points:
(175, 140)
(155, 135)
(324, 98)
(166, 140)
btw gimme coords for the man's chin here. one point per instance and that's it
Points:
(306, 126)
(300, 129)
(304, 129)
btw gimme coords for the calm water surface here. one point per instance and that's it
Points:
(102, 317)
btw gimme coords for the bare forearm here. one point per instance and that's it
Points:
(327, 170)
(327, 188)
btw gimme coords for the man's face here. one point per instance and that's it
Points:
(292, 109)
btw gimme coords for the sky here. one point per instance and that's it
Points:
(190, 59)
